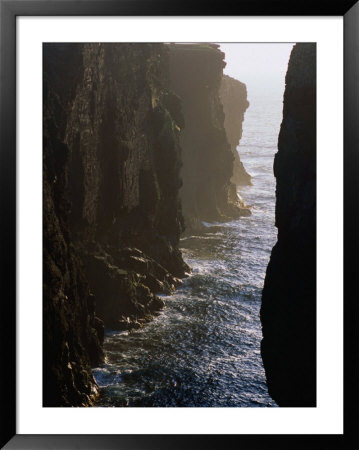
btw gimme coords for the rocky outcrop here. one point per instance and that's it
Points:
(288, 312)
(233, 95)
(207, 194)
(112, 216)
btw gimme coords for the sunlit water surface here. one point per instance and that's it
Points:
(203, 349)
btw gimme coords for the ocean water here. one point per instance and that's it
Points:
(203, 349)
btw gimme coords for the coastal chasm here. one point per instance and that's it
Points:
(112, 216)
(132, 134)
(207, 194)
(288, 311)
(233, 95)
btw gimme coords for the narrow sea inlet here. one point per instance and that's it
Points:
(177, 270)
(203, 349)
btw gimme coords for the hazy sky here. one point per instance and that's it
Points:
(262, 67)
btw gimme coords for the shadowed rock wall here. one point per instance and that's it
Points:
(233, 95)
(72, 333)
(288, 312)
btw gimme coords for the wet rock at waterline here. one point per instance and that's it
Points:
(125, 283)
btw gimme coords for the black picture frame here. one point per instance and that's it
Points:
(9, 10)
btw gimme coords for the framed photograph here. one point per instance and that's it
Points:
(174, 185)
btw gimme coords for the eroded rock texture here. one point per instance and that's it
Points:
(112, 215)
(288, 312)
(196, 71)
(233, 95)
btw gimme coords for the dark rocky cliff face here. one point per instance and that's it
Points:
(288, 312)
(233, 95)
(207, 194)
(112, 216)
(72, 333)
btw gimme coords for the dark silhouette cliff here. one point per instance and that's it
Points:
(288, 312)
(112, 215)
(196, 72)
(233, 95)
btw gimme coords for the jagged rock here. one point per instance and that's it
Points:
(233, 95)
(124, 284)
(288, 311)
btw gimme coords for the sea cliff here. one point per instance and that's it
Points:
(207, 194)
(72, 332)
(288, 311)
(233, 95)
(133, 134)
